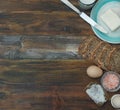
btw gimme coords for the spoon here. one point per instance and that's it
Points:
(85, 16)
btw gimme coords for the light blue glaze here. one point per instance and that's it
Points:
(94, 13)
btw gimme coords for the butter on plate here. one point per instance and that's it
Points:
(111, 19)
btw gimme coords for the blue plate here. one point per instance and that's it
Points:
(94, 14)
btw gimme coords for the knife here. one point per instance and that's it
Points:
(85, 17)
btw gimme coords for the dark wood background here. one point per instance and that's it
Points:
(40, 68)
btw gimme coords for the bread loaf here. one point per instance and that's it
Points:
(103, 54)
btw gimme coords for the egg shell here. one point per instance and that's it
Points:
(94, 71)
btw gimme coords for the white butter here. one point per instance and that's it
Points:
(111, 19)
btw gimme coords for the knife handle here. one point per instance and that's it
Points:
(92, 22)
(88, 19)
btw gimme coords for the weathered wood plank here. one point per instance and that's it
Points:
(35, 17)
(42, 23)
(33, 5)
(40, 47)
(32, 70)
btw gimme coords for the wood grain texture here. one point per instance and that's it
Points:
(40, 68)
(40, 47)
(45, 85)
(36, 17)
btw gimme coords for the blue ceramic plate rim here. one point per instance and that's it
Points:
(93, 15)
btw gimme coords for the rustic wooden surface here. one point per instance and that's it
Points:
(40, 67)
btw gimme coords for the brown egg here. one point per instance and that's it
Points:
(94, 71)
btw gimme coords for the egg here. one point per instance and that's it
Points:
(94, 71)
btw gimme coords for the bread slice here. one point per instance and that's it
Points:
(101, 53)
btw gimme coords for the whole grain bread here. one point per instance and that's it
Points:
(103, 54)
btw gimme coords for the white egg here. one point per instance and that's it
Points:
(94, 71)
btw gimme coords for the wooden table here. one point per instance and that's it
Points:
(39, 63)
